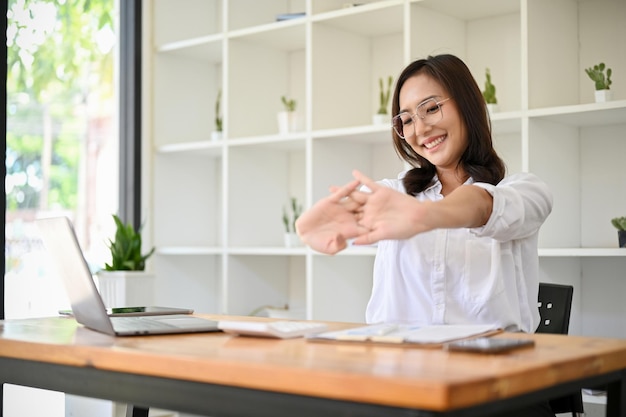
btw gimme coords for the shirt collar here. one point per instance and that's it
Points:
(435, 186)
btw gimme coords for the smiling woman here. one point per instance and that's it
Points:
(456, 239)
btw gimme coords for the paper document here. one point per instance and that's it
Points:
(407, 334)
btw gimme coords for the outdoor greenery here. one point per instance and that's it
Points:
(53, 74)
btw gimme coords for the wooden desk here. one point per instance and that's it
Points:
(217, 374)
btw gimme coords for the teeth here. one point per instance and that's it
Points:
(434, 143)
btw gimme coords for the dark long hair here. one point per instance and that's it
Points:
(480, 159)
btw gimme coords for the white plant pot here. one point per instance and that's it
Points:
(381, 119)
(603, 96)
(287, 122)
(492, 108)
(125, 288)
(215, 135)
(292, 240)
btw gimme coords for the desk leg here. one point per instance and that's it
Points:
(616, 398)
(132, 411)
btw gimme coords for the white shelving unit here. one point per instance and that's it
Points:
(213, 209)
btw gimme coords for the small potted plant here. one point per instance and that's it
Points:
(291, 213)
(217, 133)
(620, 225)
(489, 93)
(287, 119)
(384, 95)
(602, 82)
(123, 281)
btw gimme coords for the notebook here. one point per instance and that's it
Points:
(88, 308)
(406, 334)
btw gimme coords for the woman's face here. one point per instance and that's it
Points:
(443, 142)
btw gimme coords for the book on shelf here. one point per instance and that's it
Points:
(289, 16)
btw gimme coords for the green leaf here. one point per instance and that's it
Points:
(126, 249)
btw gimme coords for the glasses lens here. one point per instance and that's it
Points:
(403, 125)
(429, 111)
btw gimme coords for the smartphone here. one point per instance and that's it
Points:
(489, 345)
(139, 311)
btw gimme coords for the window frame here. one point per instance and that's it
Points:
(129, 121)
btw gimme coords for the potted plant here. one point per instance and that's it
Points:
(123, 281)
(384, 95)
(291, 213)
(217, 133)
(287, 119)
(620, 225)
(489, 93)
(602, 82)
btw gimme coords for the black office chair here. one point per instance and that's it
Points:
(555, 305)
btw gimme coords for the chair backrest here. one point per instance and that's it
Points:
(555, 305)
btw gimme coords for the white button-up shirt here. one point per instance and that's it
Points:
(484, 275)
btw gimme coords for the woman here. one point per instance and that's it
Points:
(457, 242)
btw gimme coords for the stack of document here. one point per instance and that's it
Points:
(406, 334)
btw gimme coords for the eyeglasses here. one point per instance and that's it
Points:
(429, 111)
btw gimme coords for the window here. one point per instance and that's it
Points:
(62, 139)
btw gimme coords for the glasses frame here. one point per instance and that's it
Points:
(439, 105)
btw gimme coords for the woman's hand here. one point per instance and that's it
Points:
(385, 213)
(328, 225)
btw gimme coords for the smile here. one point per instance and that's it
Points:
(435, 142)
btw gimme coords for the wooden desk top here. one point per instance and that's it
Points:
(431, 379)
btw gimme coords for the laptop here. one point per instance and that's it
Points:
(88, 308)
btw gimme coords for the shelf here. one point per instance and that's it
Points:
(506, 122)
(358, 251)
(371, 20)
(206, 48)
(374, 134)
(584, 115)
(214, 207)
(209, 148)
(287, 35)
(273, 250)
(465, 10)
(370, 251)
(189, 250)
(291, 141)
(582, 252)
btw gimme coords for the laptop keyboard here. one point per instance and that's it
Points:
(148, 323)
(138, 323)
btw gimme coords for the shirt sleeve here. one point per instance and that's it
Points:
(521, 204)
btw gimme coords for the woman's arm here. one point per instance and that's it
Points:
(521, 204)
(390, 214)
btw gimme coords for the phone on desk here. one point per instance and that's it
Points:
(139, 311)
(488, 345)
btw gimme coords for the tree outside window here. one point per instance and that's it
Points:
(62, 140)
